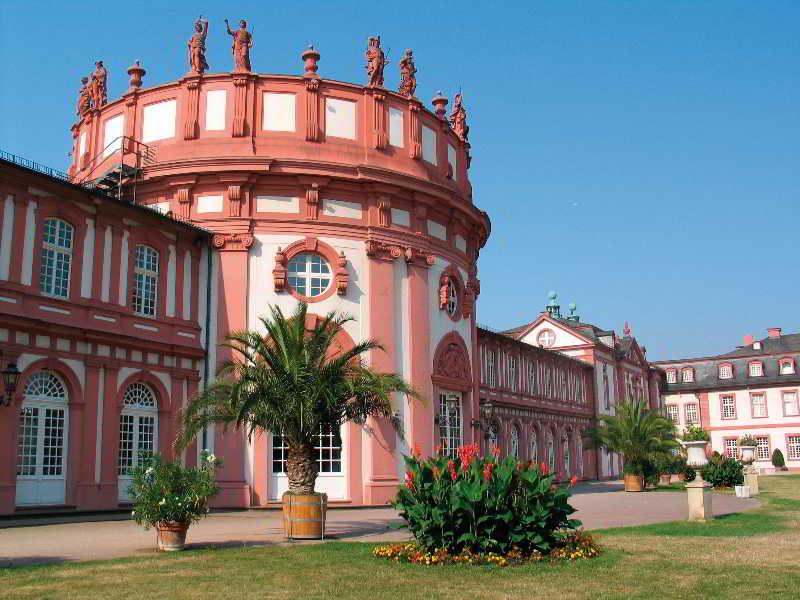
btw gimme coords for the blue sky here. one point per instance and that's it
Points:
(641, 158)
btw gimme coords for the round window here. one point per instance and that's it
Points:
(309, 274)
(546, 338)
(452, 299)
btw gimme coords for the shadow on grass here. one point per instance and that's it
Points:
(738, 524)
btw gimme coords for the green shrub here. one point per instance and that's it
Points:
(689, 474)
(678, 465)
(164, 492)
(722, 471)
(695, 433)
(748, 440)
(777, 459)
(483, 505)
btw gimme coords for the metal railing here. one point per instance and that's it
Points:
(35, 166)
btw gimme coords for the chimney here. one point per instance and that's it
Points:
(774, 332)
(748, 340)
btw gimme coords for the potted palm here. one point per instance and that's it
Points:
(636, 432)
(747, 446)
(170, 497)
(296, 379)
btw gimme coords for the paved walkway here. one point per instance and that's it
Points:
(60, 539)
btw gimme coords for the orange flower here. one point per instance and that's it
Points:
(495, 450)
(573, 480)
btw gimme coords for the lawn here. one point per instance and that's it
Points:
(750, 555)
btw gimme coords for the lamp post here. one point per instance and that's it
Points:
(10, 378)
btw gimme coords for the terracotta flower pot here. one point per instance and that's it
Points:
(304, 516)
(172, 536)
(634, 483)
(665, 479)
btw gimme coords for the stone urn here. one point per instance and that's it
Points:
(696, 454)
(748, 454)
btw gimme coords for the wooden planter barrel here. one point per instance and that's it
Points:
(634, 483)
(304, 516)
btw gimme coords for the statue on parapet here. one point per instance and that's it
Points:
(84, 98)
(99, 91)
(376, 61)
(197, 47)
(408, 72)
(242, 42)
(458, 119)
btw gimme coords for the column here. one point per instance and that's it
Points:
(86, 496)
(419, 310)
(8, 446)
(110, 438)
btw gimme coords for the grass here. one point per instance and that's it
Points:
(752, 555)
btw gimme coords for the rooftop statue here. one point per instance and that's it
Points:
(242, 42)
(84, 97)
(458, 119)
(197, 47)
(408, 72)
(376, 61)
(99, 92)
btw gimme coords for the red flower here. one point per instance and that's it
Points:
(451, 466)
(466, 454)
(436, 472)
(487, 471)
(416, 452)
(409, 480)
(573, 480)
(543, 469)
(437, 449)
(495, 450)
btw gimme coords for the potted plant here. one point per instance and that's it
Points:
(665, 464)
(295, 378)
(638, 433)
(170, 497)
(695, 439)
(747, 446)
(777, 460)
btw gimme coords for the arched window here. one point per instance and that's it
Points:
(145, 281)
(514, 445)
(492, 437)
(579, 456)
(786, 366)
(756, 368)
(672, 376)
(687, 375)
(567, 457)
(533, 451)
(309, 274)
(138, 428)
(551, 452)
(726, 371)
(41, 443)
(54, 271)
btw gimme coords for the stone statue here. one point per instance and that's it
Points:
(84, 97)
(376, 61)
(98, 86)
(197, 47)
(408, 72)
(242, 42)
(458, 119)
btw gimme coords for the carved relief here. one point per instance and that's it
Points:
(342, 277)
(191, 126)
(379, 122)
(415, 129)
(458, 119)
(280, 271)
(312, 202)
(239, 128)
(84, 98)
(408, 72)
(452, 359)
(235, 200)
(184, 202)
(236, 242)
(384, 212)
(312, 110)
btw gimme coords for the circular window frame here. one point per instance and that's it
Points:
(539, 335)
(313, 246)
(451, 276)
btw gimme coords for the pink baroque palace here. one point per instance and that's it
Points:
(192, 206)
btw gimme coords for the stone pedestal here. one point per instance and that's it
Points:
(751, 479)
(699, 495)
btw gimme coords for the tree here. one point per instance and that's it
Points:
(296, 381)
(636, 432)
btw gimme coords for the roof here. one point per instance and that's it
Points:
(771, 345)
(488, 332)
(57, 177)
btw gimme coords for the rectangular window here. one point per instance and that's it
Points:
(215, 110)
(787, 367)
(762, 448)
(452, 161)
(112, 135)
(490, 366)
(279, 112)
(395, 127)
(672, 376)
(725, 372)
(756, 369)
(690, 414)
(54, 271)
(532, 378)
(758, 402)
(793, 447)
(512, 373)
(328, 447)
(158, 121)
(429, 145)
(340, 118)
(450, 422)
(790, 408)
(731, 448)
(728, 407)
(145, 281)
(672, 413)
(687, 376)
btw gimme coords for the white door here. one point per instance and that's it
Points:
(138, 433)
(42, 442)
(331, 462)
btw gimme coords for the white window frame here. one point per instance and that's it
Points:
(673, 413)
(145, 279)
(687, 375)
(546, 338)
(793, 446)
(672, 376)
(694, 417)
(730, 447)
(726, 371)
(306, 278)
(513, 444)
(53, 250)
(452, 298)
(728, 411)
(760, 453)
(139, 402)
(491, 373)
(533, 447)
(328, 453)
(512, 373)
(791, 396)
(786, 367)
(451, 433)
(756, 369)
(762, 404)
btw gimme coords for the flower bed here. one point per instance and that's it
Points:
(577, 546)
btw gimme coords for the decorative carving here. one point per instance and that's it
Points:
(415, 129)
(376, 61)
(234, 201)
(184, 200)
(236, 242)
(342, 276)
(239, 127)
(444, 283)
(458, 119)
(197, 47)
(408, 72)
(191, 127)
(99, 91)
(240, 46)
(312, 202)
(440, 105)
(136, 73)
(395, 252)
(409, 254)
(310, 58)
(468, 302)
(430, 260)
(280, 271)
(452, 360)
(312, 110)
(384, 208)
(84, 98)
(379, 123)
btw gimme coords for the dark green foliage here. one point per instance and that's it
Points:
(483, 505)
(777, 459)
(722, 471)
(689, 474)
(695, 433)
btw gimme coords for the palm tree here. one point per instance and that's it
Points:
(296, 381)
(636, 432)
